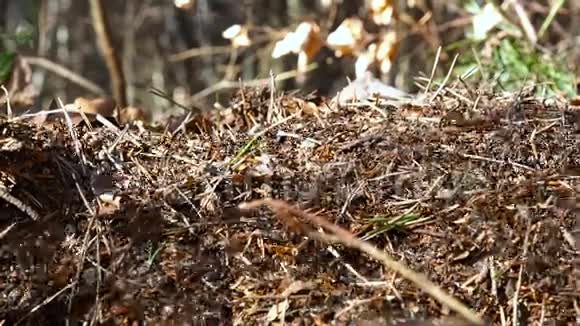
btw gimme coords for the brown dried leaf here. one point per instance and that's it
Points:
(133, 113)
(347, 38)
(305, 41)
(104, 106)
(238, 35)
(382, 11)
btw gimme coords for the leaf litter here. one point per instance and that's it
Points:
(463, 203)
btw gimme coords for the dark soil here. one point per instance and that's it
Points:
(117, 226)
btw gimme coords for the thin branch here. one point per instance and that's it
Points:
(200, 52)
(227, 84)
(287, 214)
(65, 73)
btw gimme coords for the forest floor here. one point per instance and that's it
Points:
(227, 223)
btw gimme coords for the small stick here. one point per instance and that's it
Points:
(285, 212)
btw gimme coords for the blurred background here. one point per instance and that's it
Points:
(199, 51)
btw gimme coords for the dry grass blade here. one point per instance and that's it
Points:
(6, 230)
(435, 63)
(45, 302)
(442, 86)
(288, 213)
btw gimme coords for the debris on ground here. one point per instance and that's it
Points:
(475, 190)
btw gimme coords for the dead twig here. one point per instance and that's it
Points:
(200, 52)
(65, 73)
(44, 303)
(288, 214)
(524, 214)
(228, 84)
